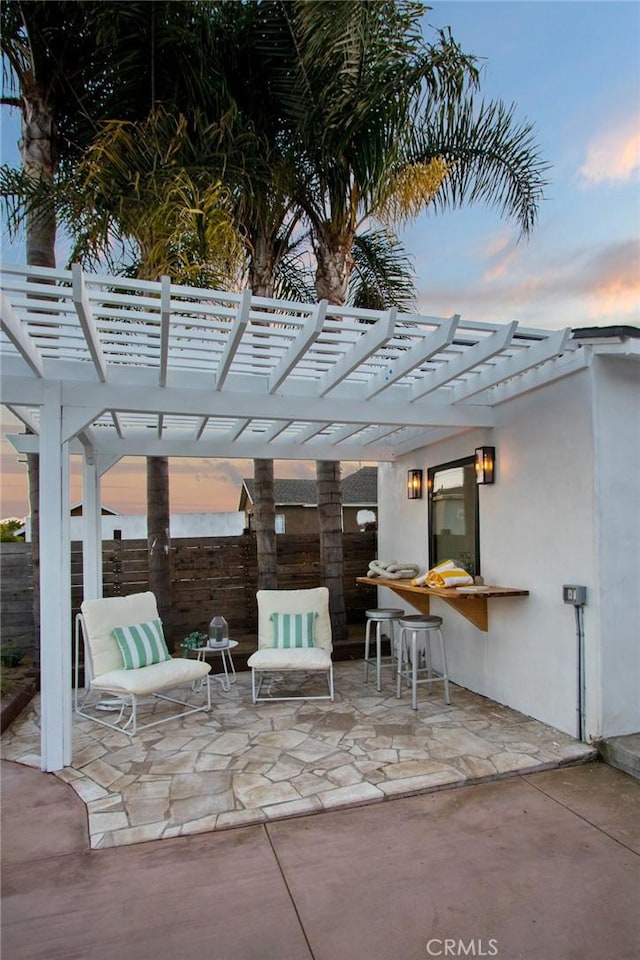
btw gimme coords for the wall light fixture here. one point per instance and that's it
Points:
(414, 485)
(485, 464)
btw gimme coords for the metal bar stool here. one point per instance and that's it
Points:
(413, 629)
(381, 615)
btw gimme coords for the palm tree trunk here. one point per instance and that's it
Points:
(263, 261)
(158, 535)
(39, 159)
(331, 551)
(261, 280)
(39, 155)
(334, 264)
(265, 525)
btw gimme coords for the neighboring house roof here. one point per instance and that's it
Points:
(361, 487)
(76, 510)
(285, 492)
(358, 489)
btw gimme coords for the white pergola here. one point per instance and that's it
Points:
(108, 367)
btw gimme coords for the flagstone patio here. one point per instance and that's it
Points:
(246, 763)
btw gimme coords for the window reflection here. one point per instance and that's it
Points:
(453, 515)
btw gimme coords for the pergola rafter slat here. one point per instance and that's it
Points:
(19, 336)
(87, 322)
(468, 359)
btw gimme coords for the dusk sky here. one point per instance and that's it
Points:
(573, 69)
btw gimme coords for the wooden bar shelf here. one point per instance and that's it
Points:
(472, 606)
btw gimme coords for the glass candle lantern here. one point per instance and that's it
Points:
(218, 632)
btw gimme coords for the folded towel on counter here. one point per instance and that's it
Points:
(422, 579)
(449, 578)
(444, 574)
(392, 570)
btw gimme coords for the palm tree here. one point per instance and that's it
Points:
(132, 186)
(79, 63)
(266, 208)
(431, 144)
(387, 126)
(41, 64)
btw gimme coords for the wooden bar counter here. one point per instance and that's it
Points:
(472, 605)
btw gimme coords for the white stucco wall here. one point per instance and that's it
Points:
(541, 526)
(616, 406)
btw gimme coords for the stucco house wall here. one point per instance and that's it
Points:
(545, 522)
(616, 417)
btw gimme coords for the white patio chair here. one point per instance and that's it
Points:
(114, 681)
(277, 628)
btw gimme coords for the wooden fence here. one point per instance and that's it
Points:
(209, 575)
(16, 595)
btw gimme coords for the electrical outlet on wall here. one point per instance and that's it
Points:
(574, 594)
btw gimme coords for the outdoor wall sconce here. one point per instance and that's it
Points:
(414, 485)
(485, 464)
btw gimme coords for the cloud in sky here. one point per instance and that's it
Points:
(613, 154)
(600, 284)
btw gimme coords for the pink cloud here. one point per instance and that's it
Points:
(601, 284)
(613, 155)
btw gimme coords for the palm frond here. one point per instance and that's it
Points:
(491, 159)
(294, 279)
(383, 275)
(21, 196)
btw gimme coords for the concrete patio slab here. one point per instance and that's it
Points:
(501, 866)
(41, 816)
(602, 795)
(511, 869)
(222, 895)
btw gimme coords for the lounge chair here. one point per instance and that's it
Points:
(126, 660)
(294, 636)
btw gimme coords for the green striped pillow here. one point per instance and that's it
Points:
(141, 644)
(293, 629)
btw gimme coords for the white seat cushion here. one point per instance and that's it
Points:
(270, 658)
(157, 676)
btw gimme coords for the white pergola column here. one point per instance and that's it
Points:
(55, 587)
(92, 527)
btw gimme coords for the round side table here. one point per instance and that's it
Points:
(229, 671)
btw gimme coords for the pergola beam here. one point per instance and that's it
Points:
(165, 326)
(301, 343)
(19, 337)
(25, 416)
(85, 314)
(193, 402)
(234, 339)
(317, 449)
